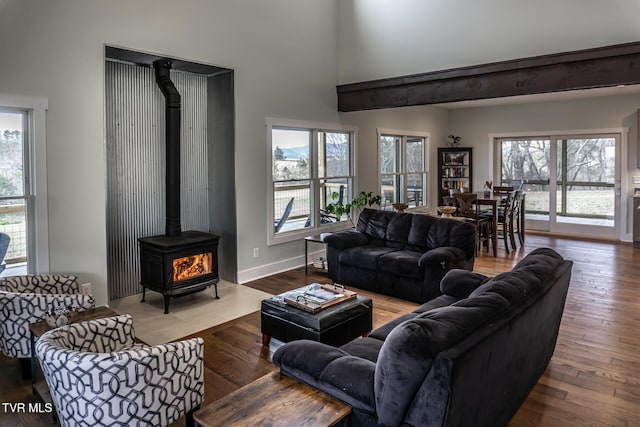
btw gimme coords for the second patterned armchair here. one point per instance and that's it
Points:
(26, 299)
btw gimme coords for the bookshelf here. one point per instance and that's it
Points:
(455, 171)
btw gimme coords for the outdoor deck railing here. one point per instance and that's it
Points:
(13, 223)
(301, 199)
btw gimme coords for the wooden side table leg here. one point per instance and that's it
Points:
(306, 260)
(34, 372)
(266, 339)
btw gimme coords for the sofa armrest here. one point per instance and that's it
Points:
(330, 370)
(446, 256)
(346, 239)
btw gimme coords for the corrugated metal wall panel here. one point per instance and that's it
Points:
(136, 165)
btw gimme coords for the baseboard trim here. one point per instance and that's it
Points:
(265, 270)
(625, 238)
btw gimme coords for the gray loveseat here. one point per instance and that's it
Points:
(400, 254)
(467, 358)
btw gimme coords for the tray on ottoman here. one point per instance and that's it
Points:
(334, 325)
(316, 297)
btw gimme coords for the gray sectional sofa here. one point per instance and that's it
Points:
(400, 254)
(469, 357)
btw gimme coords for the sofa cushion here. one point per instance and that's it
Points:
(440, 301)
(445, 326)
(530, 276)
(417, 238)
(401, 263)
(374, 225)
(453, 233)
(365, 348)
(460, 283)
(398, 230)
(383, 331)
(365, 257)
(357, 377)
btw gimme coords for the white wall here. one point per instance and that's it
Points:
(383, 38)
(410, 119)
(607, 112)
(284, 53)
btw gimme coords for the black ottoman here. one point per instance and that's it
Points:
(335, 325)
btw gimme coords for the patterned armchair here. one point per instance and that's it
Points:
(99, 376)
(26, 299)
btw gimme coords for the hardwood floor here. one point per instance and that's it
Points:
(593, 378)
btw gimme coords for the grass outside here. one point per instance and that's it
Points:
(579, 202)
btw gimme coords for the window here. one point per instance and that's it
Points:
(403, 168)
(14, 184)
(23, 216)
(309, 166)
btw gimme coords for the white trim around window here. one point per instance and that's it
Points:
(622, 186)
(36, 112)
(311, 183)
(401, 168)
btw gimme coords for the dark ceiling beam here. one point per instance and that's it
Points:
(583, 69)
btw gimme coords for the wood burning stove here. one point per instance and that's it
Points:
(176, 263)
(180, 265)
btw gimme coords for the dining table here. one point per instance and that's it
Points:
(491, 201)
(485, 200)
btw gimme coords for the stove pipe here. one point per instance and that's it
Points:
(172, 146)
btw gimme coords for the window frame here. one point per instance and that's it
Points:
(35, 190)
(401, 170)
(315, 181)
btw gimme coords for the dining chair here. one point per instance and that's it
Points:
(504, 190)
(469, 209)
(517, 184)
(516, 214)
(505, 221)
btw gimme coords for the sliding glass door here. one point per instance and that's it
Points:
(571, 183)
(526, 163)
